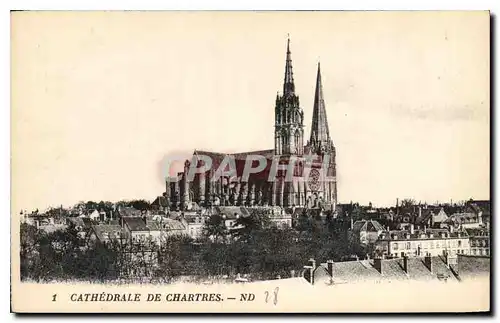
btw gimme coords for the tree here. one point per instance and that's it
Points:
(105, 206)
(57, 212)
(141, 205)
(29, 236)
(408, 202)
(215, 228)
(248, 225)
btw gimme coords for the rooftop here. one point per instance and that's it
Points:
(367, 225)
(393, 269)
(421, 234)
(106, 232)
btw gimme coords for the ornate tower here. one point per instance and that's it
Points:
(289, 127)
(321, 144)
(320, 141)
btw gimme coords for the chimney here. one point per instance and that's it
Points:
(405, 263)
(310, 277)
(311, 267)
(377, 263)
(428, 261)
(312, 263)
(449, 260)
(445, 256)
(419, 211)
(329, 266)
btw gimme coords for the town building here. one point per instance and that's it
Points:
(289, 147)
(193, 223)
(365, 232)
(172, 227)
(105, 233)
(415, 243)
(280, 218)
(160, 204)
(431, 217)
(479, 240)
(466, 220)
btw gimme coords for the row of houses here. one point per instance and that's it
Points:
(412, 242)
(136, 226)
(472, 214)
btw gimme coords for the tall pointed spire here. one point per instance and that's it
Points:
(288, 85)
(319, 130)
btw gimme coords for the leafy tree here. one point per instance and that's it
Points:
(29, 236)
(105, 206)
(248, 225)
(141, 205)
(408, 202)
(215, 228)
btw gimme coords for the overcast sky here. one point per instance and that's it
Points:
(100, 98)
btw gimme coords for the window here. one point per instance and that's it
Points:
(459, 243)
(431, 244)
(395, 246)
(408, 245)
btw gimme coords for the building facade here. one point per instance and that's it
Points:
(415, 243)
(260, 189)
(479, 239)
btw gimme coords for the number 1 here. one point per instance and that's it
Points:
(54, 297)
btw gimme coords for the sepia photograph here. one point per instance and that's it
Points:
(250, 161)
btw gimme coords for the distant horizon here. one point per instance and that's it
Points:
(374, 205)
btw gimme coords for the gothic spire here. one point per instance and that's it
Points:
(319, 129)
(288, 85)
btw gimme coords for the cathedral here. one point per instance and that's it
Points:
(265, 188)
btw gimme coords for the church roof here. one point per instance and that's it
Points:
(240, 159)
(268, 153)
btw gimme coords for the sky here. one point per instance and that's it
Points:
(99, 99)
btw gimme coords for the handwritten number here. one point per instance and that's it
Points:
(275, 300)
(54, 297)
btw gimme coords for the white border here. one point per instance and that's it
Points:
(7, 5)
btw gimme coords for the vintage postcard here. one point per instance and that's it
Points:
(250, 162)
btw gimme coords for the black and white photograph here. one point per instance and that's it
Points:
(250, 161)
